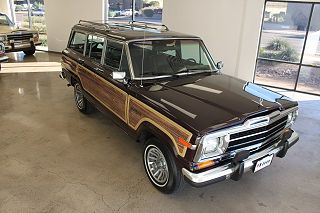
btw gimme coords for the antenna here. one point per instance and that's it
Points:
(143, 47)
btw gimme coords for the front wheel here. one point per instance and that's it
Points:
(161, 168)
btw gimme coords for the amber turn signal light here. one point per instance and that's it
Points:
(202, 165)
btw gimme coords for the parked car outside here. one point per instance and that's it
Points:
(17, 39)
(163, 88)
(38, 12)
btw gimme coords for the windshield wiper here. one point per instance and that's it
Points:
(190, 71)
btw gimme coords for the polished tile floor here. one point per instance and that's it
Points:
(55, 159)
(40, 62)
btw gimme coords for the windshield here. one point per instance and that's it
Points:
(4, 20)
(169, 57)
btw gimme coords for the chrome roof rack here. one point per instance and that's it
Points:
(149, 25)
(132, 24)
(142, 25)
(103, 26)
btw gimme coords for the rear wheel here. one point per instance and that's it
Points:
(82, 103)
(30, 51)
(161, 168)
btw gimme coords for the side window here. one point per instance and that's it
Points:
(95, 47)
(124, 66)
(78, 42)
(113, 54)
(193, 51)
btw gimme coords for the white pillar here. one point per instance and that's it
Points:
(5, 8)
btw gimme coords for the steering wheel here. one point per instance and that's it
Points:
(192, 60)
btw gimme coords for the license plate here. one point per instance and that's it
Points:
(263, 163)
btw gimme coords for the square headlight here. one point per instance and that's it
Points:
(3, 38)
(211, 146)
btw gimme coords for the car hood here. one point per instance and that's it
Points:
(12, 29)
(208, 102)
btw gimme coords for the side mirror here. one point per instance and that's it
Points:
(220, 65)
(118, 75)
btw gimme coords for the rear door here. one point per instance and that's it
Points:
(105, 57)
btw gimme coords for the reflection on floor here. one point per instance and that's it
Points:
(40, 62)
(297, 96)
(39, 56)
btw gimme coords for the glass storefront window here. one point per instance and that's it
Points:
(276, 74)
(309, 80)
(312, 50)
(289, 50)
(148, 10)
(31, 14)
(284, 30)
(119, 10)
(143, 11)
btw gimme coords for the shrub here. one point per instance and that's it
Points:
(19, 7)
(278, 44)
(279, 49)
(148, 12)
(112, 14)
(43, 39)
(36, 19)
(288, 54)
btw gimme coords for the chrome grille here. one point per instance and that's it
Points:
(20, 37)
(257, 137)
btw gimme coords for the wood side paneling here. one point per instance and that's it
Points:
(106, 93)
(139, 112)
(69, 64)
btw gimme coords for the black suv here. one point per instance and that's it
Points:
(163, 87)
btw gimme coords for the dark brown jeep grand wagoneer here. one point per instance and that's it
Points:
(196, 124)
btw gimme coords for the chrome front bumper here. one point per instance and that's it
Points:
(225, 172)
(20, 46)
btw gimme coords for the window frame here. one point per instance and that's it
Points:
(124, 48)
(104, 56)
(300, 63)
(73, 32)
(103, 48)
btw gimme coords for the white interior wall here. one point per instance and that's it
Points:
(61, 15)
(229, 28)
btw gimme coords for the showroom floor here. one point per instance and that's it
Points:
(55, 159)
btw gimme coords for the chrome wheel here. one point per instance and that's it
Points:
(79, 96)
(156, 165)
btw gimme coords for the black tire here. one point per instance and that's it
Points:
(30, 51)
(82, 103)
(174, 181)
